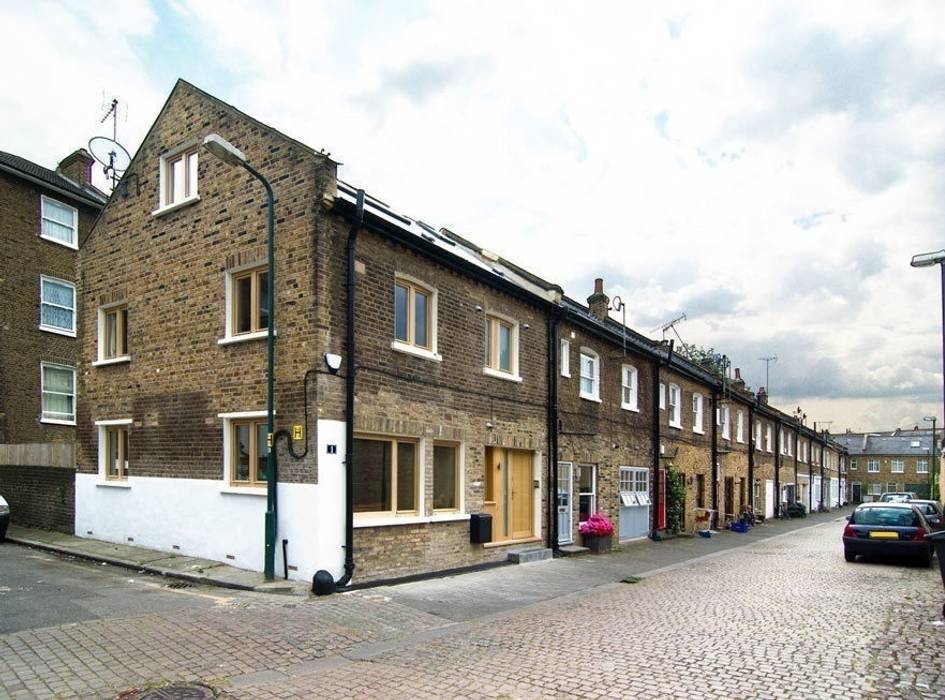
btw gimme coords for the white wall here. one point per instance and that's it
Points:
(205, 518)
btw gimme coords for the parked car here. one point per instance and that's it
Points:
(897, 497)
(4, 518)
(887, 531)
(932, 510)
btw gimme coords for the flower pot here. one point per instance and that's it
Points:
(598, 544)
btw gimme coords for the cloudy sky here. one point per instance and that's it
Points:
(765, 168)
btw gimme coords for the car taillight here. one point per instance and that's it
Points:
(919, 534)
(848, 531)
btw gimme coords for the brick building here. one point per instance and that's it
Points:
(895, 460)
(476, 387)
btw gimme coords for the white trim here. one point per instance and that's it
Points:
(42, 390)
(161, 211)
(236, 415)
(594, 394)
(565, 352)
(74, 245)
(103, 309)
(71, 332)
(245, 337)
(113, 484)
(675, 410)
(634, 386)
(698, 417)
(409, 520)
(243, 491)
(499, 374)
(112, 361)
(400, 346)
(57, 331)
(662, 396)
(55, 421)
(115, 421)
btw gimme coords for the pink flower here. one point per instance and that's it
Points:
(597, 526)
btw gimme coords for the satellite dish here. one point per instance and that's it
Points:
(111, 154)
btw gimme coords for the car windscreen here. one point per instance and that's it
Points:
(926, 508)
(887, 517)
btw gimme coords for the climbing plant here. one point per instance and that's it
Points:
(675, 499)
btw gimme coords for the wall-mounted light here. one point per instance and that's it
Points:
(525, 326)
(332, 362)
(478, 308)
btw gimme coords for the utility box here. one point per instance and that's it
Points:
(480, 528)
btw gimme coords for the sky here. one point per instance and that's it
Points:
(767, 169)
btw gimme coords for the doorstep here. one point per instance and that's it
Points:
(192, 569)
(572, 550)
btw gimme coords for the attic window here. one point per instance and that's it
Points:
(916, 443)
(178, 178)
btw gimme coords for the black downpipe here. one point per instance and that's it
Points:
(285, 559)
(350, 372)
(823, 486)
(715, 456)
(751, 457)
(552, 428)
(797, 444)
(655, 436)
(810, 473)
(777, 470)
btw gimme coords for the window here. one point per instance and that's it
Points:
(116, 451)
(675, 406)
(893, 487)
(740, 426)
(875, 489)
(757, 429)
(249, 302)
(587, 491)
(501, 347)
(58, 394)
(414, 318)
(769, 435)
(700, 490)
(57, 306)
(385, 476)
(922, 466)
(726, 422)
(113, 333)
(662, 396)
(697, 413)
(853, 464)
(872, 466)
(446, 477)
(628, 388)
(898, 466)
(249, 451)
(590, 375)
(565, 358)
(60, 222)
(789, 443)
(178, 177)
(634, 486)
(802, 451)
(782, 439)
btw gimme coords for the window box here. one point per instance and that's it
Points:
(59, 222)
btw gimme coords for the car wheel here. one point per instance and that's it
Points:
(925, 560)
(849, 556)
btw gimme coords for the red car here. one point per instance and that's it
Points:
(888, 531)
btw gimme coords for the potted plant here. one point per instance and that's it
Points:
(597, 533)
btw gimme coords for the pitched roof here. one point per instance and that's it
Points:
(25, 168)
(887, 443)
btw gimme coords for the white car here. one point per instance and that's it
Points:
(4, 518)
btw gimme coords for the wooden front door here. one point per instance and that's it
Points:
(509, 493)
(729, 498)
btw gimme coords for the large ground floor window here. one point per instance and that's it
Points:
(385, 475)
(587, 491)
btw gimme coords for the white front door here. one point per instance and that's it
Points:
(565, 493)
(769, 498)
(634, 502)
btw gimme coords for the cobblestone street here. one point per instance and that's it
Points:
(784, 617)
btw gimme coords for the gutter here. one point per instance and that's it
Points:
(42, 183)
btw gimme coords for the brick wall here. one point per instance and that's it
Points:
(41, 497)
(908, 480)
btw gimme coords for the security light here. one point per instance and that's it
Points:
(332, 362)
(928, 259)
(220, 148)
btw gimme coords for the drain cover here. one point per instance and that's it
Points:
(176, 691)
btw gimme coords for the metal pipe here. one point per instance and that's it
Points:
(777, 469)
(751, 457)
(285, 559)
(655, 435)
(797, 442)
(716, 413)
(552, 428)
(351, 371)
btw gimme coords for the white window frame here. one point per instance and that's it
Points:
(853, 465)
(592, 493)
(698, 413)
(662, 396)
(430, 353)
(565, 358)
(70, 332)
(919, 464)
(675, 409)
(42, 392)
(740, 427)
(100, 345)
(769, 438)
(513, 375)
(757, 431)
(897, 466)
(788, 443)
(594, 394)
(725, 419)
(634, 486)
(872, 466)
(74, 244)
(164, 206)
(629, 380)
(101, 428)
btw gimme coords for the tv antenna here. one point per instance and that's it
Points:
(671, 325)
(111, 155)
(768, 360)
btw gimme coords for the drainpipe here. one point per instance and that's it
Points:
(777, 469)
(655, 434)
(810, 472)
(797, 438)
(349, 396)
(715, 454)
(823, 458)
(751, 457)
(552, 428)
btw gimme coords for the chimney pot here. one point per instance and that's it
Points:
(738, 373)
(598, 302)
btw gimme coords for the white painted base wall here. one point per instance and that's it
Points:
(206, 518)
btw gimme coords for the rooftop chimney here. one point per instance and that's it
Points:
(762, 396)
(77, 166)
(739, 382)
(598, 302)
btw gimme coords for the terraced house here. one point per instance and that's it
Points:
(894, 460)
(435, 406)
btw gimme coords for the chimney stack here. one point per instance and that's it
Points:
(598, 302)
(739, 382)
(77, 166)
(762, 396)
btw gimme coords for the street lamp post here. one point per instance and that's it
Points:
(932, 466)
(220, 148)
(928, 260)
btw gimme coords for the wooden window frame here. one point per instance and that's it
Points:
(254, 274)
(418, 477)
(121, 331)
(123, 444)
(491, 326)
(413, 288)
(234, 425)
(458, 472)
(167, 185)
(870, 463)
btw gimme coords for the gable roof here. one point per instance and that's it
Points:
(28, 170)
(907, 445)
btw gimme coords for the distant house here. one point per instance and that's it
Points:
(889, 460)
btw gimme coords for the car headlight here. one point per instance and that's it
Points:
(4, 510)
